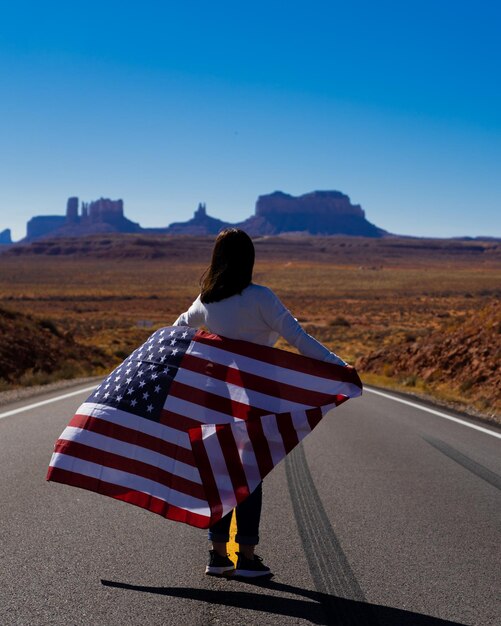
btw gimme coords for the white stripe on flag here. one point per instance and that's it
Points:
(246, 454)
(134, 422)
(301, 424)
(197, 411)
(274, 438)
(271, 404)
(267, 370)
(131, 451)
(130, 481)
(219, 468)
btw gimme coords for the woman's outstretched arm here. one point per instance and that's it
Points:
(280, 319)
(193, 317)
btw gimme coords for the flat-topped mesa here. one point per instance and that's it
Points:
(99, 216)
(316, 202)
(105, 210)
(315, 213)
(43, 225)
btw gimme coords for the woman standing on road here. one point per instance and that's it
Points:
(232, 306)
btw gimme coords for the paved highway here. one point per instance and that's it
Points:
(388, 514)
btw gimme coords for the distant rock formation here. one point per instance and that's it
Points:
(317, 202)
(101, 216)
(200, 224)
(315, 213)
(42, 225)
(5, 237)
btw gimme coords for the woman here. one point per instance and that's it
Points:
(231, 305)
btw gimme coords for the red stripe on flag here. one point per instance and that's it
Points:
(177, 421)
(254, 382)
(287, 430)
(205, 469)
(212, 401)
(136, 437)
(314, 416)
(340, 399)
(138, 498)
(233, 461)
(260, 446)
(106, 458)
(280, 358)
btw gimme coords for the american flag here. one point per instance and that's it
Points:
(190, 423)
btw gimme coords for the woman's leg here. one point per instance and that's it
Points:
(219, 563)
(248, 515)
(219, 534)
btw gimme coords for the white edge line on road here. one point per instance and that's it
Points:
(378, 393)
(434, 412)
(42, 402)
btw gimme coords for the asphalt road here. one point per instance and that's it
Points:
(386, 515)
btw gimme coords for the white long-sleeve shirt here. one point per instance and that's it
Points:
(255, 315)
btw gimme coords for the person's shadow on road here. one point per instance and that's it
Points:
(325, 608)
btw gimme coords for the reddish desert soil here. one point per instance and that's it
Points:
(415, 314)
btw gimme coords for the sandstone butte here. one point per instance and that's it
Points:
(315, 213)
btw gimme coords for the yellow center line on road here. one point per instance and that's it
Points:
(232, 545)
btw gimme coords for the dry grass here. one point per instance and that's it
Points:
(354, 297)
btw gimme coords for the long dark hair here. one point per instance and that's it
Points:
(230, 270)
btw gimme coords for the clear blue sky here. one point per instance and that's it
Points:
(166, 104)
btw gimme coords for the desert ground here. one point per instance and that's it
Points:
(411, 314)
